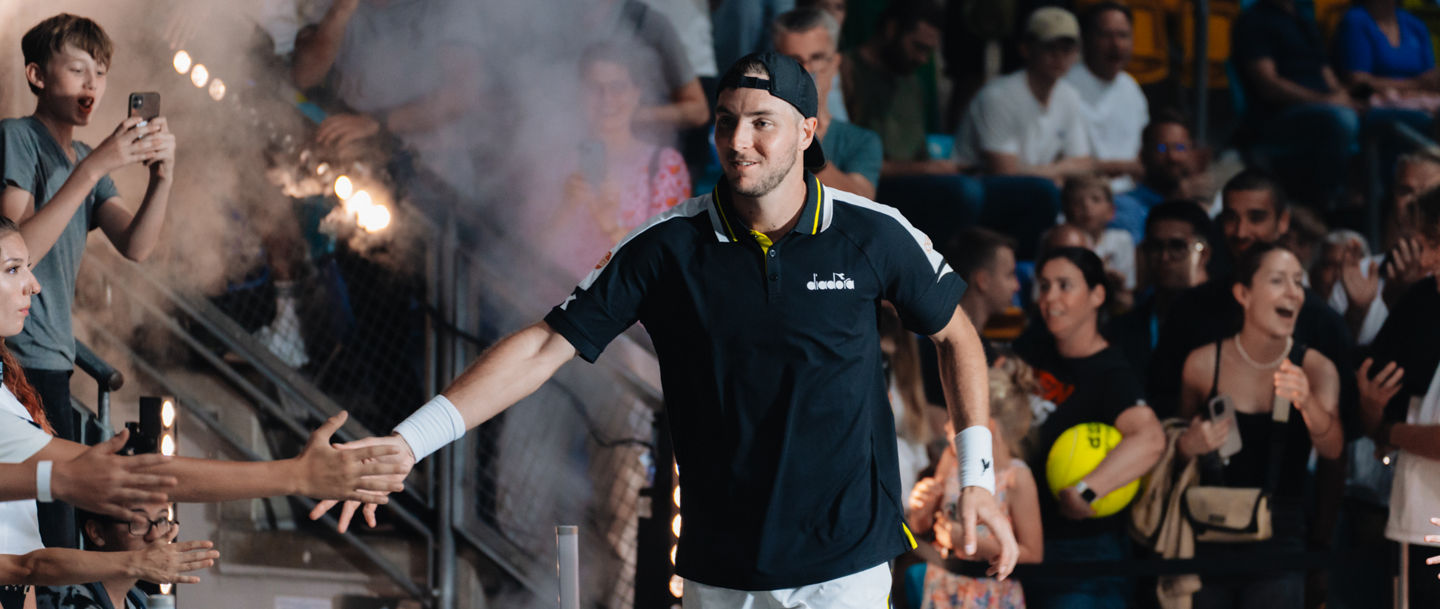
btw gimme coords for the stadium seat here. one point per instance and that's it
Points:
(1151, 60)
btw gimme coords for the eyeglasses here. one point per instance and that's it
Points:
(1171, 247)
(1163, 148)
(141, 528)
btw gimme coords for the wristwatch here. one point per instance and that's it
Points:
(1086, 493)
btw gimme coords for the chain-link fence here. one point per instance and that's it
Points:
(357, 315)
(577, 451)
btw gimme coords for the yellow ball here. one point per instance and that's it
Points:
(1076, 453)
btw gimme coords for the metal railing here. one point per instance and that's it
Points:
(95, 426)
(458, 282)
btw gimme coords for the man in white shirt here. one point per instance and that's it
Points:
(1115, 108)
(1026, 131)
(1031, 122)
(691, 19)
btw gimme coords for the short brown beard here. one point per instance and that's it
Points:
(768, 183)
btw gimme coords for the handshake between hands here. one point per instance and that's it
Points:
(102, 481)
(391, 453)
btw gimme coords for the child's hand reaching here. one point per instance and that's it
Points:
(924, 501)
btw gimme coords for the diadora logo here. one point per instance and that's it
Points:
(837, 281)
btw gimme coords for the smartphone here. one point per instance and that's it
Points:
(1222, 408)
(145, 105)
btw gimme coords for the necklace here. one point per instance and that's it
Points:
(1289, 342)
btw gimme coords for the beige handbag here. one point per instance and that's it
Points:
(1222, 514)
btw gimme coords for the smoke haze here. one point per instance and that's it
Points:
(238, 157)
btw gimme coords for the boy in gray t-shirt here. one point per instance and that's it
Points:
(58, 189)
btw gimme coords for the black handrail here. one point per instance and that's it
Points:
(107, 380)
(91, 364)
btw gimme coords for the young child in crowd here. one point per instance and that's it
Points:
(1090, 206)
(58, 190)
(959, 582)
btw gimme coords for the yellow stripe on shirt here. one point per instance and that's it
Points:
(818, 200)
(763, 240)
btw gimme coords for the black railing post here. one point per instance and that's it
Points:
(107, 380)
(1202, 70)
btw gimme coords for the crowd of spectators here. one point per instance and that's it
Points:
(1129, 277)
(1121, 282)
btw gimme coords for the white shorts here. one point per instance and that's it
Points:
(868, 589)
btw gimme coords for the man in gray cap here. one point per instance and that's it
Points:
(761, 300)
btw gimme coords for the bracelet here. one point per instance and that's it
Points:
(42, 481)
(977, 462)
(434, 425)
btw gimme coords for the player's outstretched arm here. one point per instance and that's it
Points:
(964, 377)
(507, 372)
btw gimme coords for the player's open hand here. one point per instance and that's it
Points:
(977, 506)
(397, 456)
(361, 473)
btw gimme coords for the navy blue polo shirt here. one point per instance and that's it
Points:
(770, 366)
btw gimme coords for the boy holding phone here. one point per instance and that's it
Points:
(58, 190)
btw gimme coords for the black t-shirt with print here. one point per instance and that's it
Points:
(1084, 390)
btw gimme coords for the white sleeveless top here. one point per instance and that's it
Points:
(1415, 497)
(20, 439)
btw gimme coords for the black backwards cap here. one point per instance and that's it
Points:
(788, 81)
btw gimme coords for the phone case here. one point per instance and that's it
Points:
(1221, 409)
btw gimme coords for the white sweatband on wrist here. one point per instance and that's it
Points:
(977, 460)
(42, 481)
(434, 425)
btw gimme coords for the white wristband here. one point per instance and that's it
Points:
(434, 425)
(42, 481)
(977, 460)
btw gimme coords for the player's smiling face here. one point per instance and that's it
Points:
(760, 138)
